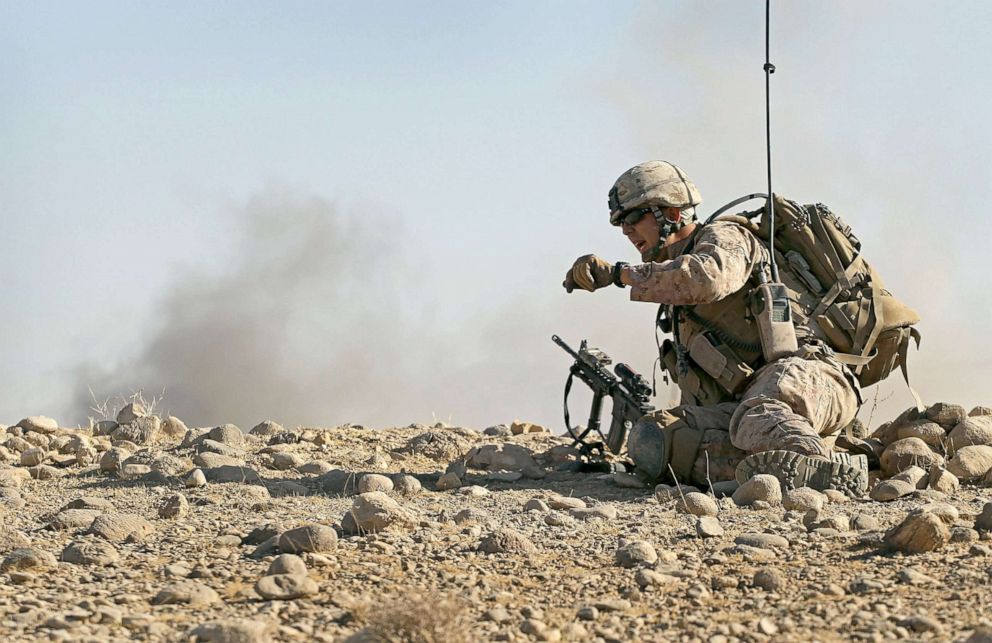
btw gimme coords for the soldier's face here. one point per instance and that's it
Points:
(645, 234)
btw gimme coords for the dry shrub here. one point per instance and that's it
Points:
(417, 619)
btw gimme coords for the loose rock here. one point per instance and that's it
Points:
(803, 499)
(697, 504)
(708, 527)
(505, 541)
(285, 587)
(118, 527)
(906, 453)
(637, 554)
(760, 488)
(374, 511)
(971, 463)
(28, 559)
(186, 592)
(919, 532)
(309, 538)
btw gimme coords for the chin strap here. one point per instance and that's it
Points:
(667, 227)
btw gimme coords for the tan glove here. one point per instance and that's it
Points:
(589, 273)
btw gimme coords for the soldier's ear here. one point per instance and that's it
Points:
(673, 214)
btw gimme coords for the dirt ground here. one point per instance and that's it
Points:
(510, 552)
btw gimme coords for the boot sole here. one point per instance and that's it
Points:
(795, 470)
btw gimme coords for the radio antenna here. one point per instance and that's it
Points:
(769, 70)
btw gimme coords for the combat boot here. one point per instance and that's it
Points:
(844, 472)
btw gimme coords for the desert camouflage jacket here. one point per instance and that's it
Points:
(720, 263)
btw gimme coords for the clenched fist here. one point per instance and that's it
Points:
(589, 273)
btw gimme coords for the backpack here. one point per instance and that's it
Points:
(847, 306)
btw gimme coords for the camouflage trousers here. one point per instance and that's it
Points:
(790, 405)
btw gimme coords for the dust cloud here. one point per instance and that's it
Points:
(319, 319)
(297, 326)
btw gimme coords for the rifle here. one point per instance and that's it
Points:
(629, 390)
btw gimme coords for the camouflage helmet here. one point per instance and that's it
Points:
(652, 184)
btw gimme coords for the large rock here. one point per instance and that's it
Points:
(927, 430)
(73, 519)
(915, 476)
(762, 487)
(285, 587)
(285, 461)
(175, 506)
(495, 457)
(945, 414)
(118, 527)
(374, 511)
(90, 551)
(338, 482)
(971, 463)
(213, 446)
(889, 490)
(637, 554)
(28, 559)
(906, 453)
(309, 538)
(406, 485)
(984, 520)
(697, 504)
(972, 431)
(173, 429)
(942, 480)
(11, 477)
(506, 541)
(228, 473)
(37, 439)
(227, 434)
(142, 430)
(113, 459)
(233, 631)
(287, 564)
(921, 531)
(33, 457)
(186, 592)
(39, 424)
(211, 460)
(803, 499)
(374, 482)
(266, 429)
(131, 412)
(17, 444)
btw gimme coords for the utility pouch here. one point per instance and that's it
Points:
(696, 385)
(839, 324)
(719, 361)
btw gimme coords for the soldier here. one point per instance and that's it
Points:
(738, 415)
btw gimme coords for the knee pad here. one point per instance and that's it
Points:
(662, 445)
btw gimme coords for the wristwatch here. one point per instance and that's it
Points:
(617, 267)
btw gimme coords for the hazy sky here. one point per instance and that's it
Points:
(328, 212)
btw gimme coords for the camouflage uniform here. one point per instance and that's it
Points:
(785, 405)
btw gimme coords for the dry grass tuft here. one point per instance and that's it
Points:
(418, 619)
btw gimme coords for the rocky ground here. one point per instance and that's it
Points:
(140, 529)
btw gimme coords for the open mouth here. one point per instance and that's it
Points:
(640, 245)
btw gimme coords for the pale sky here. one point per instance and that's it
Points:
(329, 212)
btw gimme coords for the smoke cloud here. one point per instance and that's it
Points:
(297, 325)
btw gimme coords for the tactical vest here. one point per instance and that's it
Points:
(840, 308)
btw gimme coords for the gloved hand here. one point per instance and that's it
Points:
(589, 273)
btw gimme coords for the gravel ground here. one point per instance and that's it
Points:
(516, 549)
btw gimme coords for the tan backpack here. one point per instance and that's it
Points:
(847, 305)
